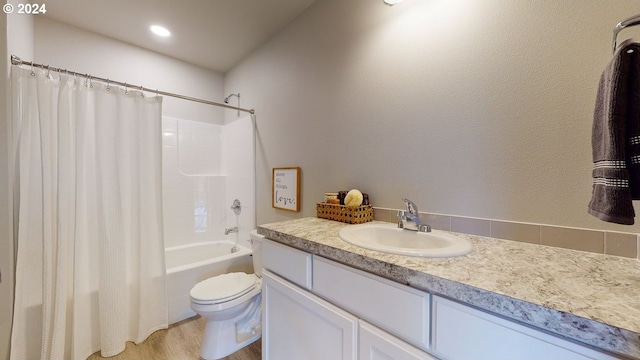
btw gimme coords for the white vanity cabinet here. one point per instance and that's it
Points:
(298, 324)
(314, 308)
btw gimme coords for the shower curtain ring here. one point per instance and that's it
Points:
(108, 85)
(141, 91)
(32, 73)
(126, 89)
(90, 84)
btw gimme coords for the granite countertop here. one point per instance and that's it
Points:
(591, 298)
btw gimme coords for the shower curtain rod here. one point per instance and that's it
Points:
(17, 61)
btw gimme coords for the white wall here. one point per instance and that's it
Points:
(68, 47)
(471, 108)
(17, 31)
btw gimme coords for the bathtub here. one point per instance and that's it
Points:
(189, 264)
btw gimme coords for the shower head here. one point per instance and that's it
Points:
(226, 100)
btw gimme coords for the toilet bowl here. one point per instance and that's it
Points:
(230, 303)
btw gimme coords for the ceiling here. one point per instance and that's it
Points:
(214, 34)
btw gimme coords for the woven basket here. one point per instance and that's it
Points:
(346, 214)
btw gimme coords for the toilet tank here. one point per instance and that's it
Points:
(256, 247)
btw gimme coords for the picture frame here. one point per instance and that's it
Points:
(285, 188)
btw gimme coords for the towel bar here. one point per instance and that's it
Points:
(632, 21)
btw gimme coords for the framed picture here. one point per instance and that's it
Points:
(285, 188)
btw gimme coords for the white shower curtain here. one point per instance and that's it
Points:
(90, 270)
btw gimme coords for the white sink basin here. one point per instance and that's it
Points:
(391, 239)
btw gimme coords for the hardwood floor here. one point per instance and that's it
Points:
(181, 341)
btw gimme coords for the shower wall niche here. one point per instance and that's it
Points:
(206, 167)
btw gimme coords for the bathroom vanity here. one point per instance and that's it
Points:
(326, 299)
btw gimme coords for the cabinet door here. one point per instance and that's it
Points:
(298, 325)
(375, 344)
(463, 333)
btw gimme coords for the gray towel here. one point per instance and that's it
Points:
(616, 138)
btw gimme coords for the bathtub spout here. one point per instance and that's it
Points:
(231, 230)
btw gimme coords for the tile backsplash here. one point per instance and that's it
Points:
(603, 242)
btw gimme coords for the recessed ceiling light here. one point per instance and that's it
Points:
(392, 2)
(160, 30)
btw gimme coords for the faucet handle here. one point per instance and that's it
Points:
(412, 208)
(236, 207)
(402, 217)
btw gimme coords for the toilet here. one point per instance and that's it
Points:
(230, 303)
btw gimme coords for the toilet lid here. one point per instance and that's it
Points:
(223, 287)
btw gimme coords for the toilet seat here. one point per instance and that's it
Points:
(222, 288)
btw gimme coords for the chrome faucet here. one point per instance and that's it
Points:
(231, 230)
(410, 220)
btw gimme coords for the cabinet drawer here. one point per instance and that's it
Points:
(461, 332)
(292, 264)
(398, 309)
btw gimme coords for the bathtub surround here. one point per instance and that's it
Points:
(205, 168)
(193, 183)
(90, 272)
